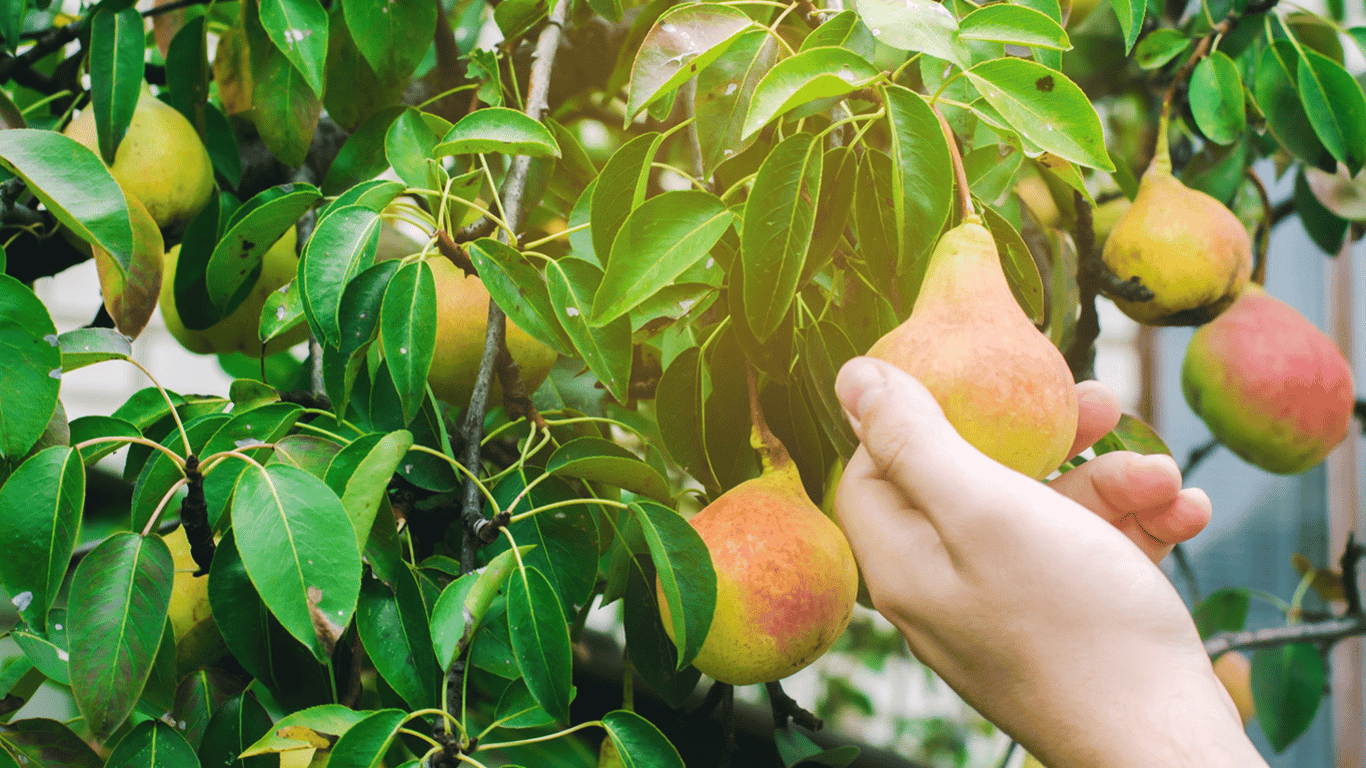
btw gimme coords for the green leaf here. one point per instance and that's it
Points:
(724, 91)
(248, 427)
(90, 427)
(464, 602)
(620, 189)
(686, 575)
(1130, 13)
(1216, 97)
(393, 36)
(1022, 274)
(915, 25)
(409, 143)
(683, 42)
(361, 477)
(820, 73)
(565, 538)
(1287, 687)
(119, 598)
(362, 157)
(235, 265)
(839, 172)
(47, 744)
(33, 365)
(392, 622)
(540, 641)
(656, 243)
(1132, 434)
(1045, 107)
(287, 521)
(1336, 107)
(343, 246)
(606, 350)
(330, 719)
(117, 43)
(1159, 47)
(87, 346)
(1223, 611)
(922, 183)
(798, 750)
(282, 312)
(407, 330)
(519, 288)
(365, 743)
(639, 743)
(153, 744)
(74, 185)
(188, 73)
(498, 129)
(1014, 24)
(299, 29)
(236, 723)
(600, 460)
(40, 521)
(677, 398)
(286, 106)
(843, 30)
(779, 219)
(653, 653)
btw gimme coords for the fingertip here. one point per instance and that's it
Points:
(860, 380)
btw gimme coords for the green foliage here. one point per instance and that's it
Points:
(711, 187)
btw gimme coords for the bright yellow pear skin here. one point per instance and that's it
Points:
(1185, 246)
(161, 160)
(240, 330)
(785, 580)
(1002, 383)
(462, 307)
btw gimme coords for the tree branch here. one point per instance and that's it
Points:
(1322, 632)
(1081, 355)
(475, 527)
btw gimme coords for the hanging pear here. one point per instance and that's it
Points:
(786, 580)
(1182, 244)
(1002, 383)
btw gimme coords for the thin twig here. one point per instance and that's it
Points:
(1081, 355)
(1263, 234)
(1323, 633)
(1351, 557)
(1183, 565)
(1197, 455)
(785, 707)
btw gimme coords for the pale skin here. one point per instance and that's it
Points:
(1040, 604)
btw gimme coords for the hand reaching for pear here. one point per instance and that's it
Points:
(1037, 608)
(1140, 495)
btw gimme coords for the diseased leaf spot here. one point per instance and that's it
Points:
(1044, 83)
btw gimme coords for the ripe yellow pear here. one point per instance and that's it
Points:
(785, 579)
(1185, 246)
(1234, 670)
(462, 306)
(240, 330)
(161, 160)
(1002, 383)
(198, 642)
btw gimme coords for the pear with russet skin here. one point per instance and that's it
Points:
(786, 580)
(1002, 383)
(1182, 244)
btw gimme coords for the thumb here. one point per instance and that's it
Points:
(907, 436)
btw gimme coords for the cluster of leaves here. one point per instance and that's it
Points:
(771, 183)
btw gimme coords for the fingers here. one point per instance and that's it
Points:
(1097, 413)
(1141, 496)
(910, 442)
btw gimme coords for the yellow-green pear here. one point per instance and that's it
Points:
(462, 307)
(1182, 244)
(160, 161)
(1234, 670)
(1002, 383)
(240, 330)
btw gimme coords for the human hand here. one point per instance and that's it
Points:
(1140, 495)
(1039, 612)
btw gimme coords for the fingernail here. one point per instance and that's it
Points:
(858, 378)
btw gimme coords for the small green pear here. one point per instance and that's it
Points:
(1270, 385)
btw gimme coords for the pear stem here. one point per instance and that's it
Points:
(960, 176)
(1162, 154)
(771, 450)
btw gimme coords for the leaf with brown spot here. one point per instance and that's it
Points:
(131, 296)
